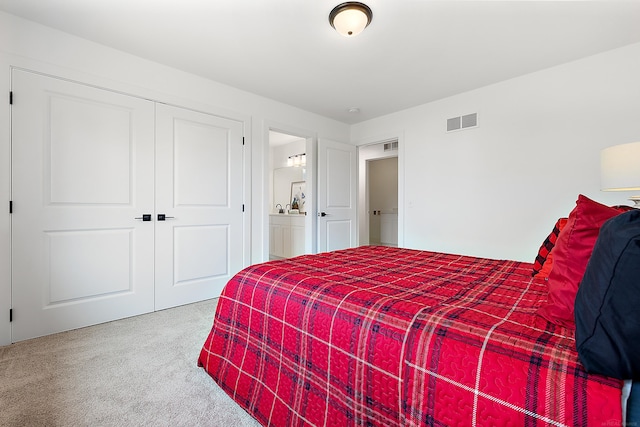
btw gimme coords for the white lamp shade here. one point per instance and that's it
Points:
(620, 167)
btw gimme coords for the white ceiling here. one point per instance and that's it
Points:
(414, 51)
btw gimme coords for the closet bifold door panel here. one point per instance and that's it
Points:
(199, 224)
(82, 183)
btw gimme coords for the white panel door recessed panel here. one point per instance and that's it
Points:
(89, 151)
(201, 164)
(199, 245)
(209, 262)
(338, 235)
(83, 163)
(340, 162)
(106, 259)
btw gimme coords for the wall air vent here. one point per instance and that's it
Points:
(462, 122)
(391, 146)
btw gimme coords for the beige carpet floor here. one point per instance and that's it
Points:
(139, 371)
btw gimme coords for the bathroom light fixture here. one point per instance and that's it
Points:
(350, 18)
(297, 160)
(620, 169)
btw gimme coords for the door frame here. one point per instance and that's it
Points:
(363, 194)
(260, 252)
(5, 217)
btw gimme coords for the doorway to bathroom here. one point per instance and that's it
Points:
(289, 196)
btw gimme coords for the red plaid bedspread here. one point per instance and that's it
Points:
(377, 336)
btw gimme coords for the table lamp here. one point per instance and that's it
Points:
(620, 169)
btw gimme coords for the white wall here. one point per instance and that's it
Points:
(496, 190)
(32, 46)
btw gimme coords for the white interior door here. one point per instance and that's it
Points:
(82, 179)
(199, 244)
(336, 196)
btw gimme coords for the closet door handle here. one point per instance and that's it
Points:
(144, 217)
(162, 217)
(322, 214)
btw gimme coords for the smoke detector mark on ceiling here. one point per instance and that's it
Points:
(462, 122)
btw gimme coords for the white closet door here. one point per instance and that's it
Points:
(82, 172)
(199, 186)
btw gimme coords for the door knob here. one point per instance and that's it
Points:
(144, 217)
(322, 214)
(162, 217)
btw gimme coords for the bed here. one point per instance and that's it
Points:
(381, 336)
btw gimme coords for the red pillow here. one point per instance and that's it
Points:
(570, 256)
(543, 261)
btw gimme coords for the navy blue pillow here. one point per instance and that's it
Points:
(607, 306)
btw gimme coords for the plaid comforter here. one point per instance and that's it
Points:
(377, 336)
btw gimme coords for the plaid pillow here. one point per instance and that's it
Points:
(547, 245)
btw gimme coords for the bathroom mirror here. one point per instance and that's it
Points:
(282, 179)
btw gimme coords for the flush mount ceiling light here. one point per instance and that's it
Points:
(350, 18)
